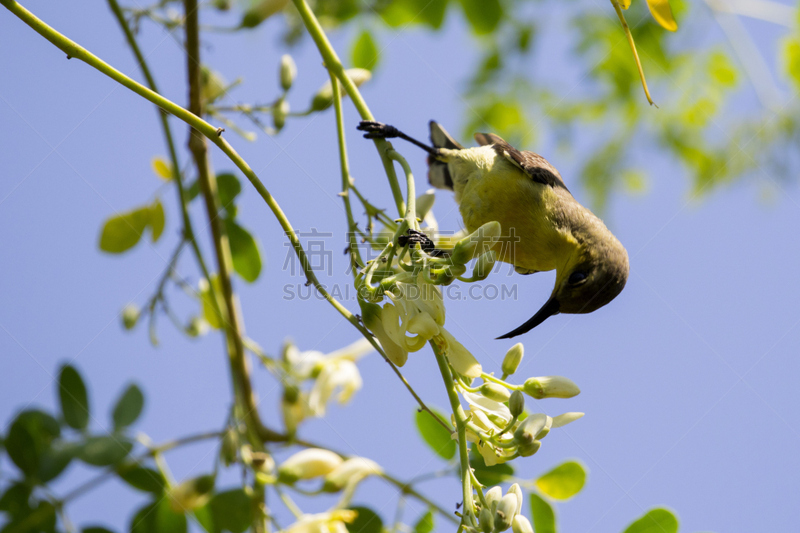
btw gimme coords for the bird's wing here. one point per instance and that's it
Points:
(441, 139)
(532, 164)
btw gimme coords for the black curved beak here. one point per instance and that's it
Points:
(550, 308)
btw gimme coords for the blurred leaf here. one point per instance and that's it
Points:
(365, 52)
(212, 85)
(721, 70)
(244, 251)
(425, 524)
(142, 478)
(16, 499)
(231, 510)
(41, 519)
(435, 435)
(397, 13)
(128, 407)
(206, 295)
(261, 11)
(500, 115)
(490, 475)
(483, 15)
(544, 518)
(228, 187)
(663, 14)
(96, 529)
(564, 481)
(192, 493)
(158, 517)
(104, 450)
(122, 232)
(635, 182)
(73, 397)
(193, 190)
(55, 459)
(156, 219)
(654, 521)
(791, 59)
(28, 438)
(162, 168)
(367, 521)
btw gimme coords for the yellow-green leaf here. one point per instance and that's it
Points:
(162, 169)
(244, 251)
(722, 70)
(122, 232)
(365, 52)
(663, 14)
(655, 521)
(791, 59)
(156, 219)
(544, 517)
(564, 481)
(483, 15)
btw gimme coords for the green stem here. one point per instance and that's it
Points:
(468, 518)
(489, 377)
(355, 255)
(335, 66)
(411, 208)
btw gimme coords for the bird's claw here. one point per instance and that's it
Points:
(377, 130)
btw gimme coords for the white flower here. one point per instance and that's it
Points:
(350, 472)
(308, 464)
(332, 522)
(459, 357)
(337, 374)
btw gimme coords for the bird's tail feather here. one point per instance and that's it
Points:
(438, 174)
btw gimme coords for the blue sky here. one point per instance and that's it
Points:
(688, 377)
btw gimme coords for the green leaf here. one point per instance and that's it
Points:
(230, 511)
(564, 481)
(654, 521)
(156, 220)
(41, 519)
(16, 500)
(104, 450)
(74, 400)
(435, 435)
(544, 517)
(162, 168)
(96, 529)
(365, 52)
(128, 407)
(55, 459)
(425, 524)
(228, 188)
(367, 521)
(490, 475)
(158, 517)
(122, 232)
(192, 190)
(483, 15)
(142, 478)
(244, 251)
(403, 12)
(722, 71)
(29, 438)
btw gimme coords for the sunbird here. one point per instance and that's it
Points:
(543, 226)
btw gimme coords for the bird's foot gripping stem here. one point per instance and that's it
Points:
(425, 243)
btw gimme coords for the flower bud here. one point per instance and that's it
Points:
(323, 99)
(486, 520)
(288, 71)
(262, 462)
(493, 497)
(520, 524)
(566, 418)
(495, 392)
(506, 510)
(513, 358)
(514, 489)
(532, 427)
(279, 113)
(516, 404)
(351, 471)
(550, 387)
(229, 447)
(130, 316)
(191, 494)
(308, 464)
(529, 448)
(477, 243)
(425, 203)
(484, 265)
(196, 327)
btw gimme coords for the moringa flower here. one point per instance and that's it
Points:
(308, 464)
(330, 522)
(350, 472)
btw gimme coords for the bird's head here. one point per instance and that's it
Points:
(593, 275)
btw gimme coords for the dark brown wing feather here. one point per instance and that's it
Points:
(533, 164)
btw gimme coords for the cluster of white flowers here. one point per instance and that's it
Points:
(498, 512)
(336, 371)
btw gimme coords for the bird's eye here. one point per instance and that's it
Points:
(577, 277)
